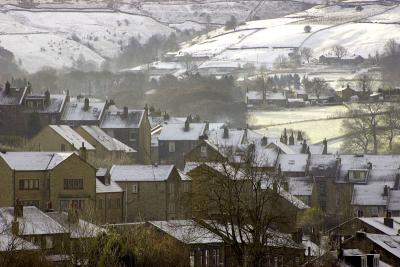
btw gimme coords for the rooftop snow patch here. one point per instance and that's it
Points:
(140, 173)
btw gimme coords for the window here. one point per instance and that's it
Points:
(135, 188)
(171, 188)
(29, 184)
(171, 207)
(203, 151)
(186, 187)
(364, 261)
(132, 136)
(73, 183)
(109, 204)
(171, 147)
(49, 242)
(357, 175)
(66, 204)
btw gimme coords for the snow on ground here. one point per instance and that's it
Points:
(57, 39)
(359, 38)
(36, 51)
(392, 16)
(294, 119)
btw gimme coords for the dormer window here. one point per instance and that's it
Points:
(292, 162)
(358, 175)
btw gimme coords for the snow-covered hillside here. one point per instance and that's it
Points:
(363, 31)
(57, 34)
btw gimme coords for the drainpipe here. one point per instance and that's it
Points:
(126, 201)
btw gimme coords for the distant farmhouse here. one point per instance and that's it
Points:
(345, 60)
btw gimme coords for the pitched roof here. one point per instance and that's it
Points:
(14, 97)
(72, 137)
(108, 142)
(113, 187)
(34, 161)
(57, 102)
(293, 163)
(74, 111)
(378, 223)
(187, 231)
(145, 173)
(235, 137)
(370, 194)
(390, 243)
(10, 242)
(33, 221)
(300, 186)
(176, 132)
(115, 119)
(80, 229)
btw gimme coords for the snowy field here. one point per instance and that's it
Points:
(262, 42)
(266, 121)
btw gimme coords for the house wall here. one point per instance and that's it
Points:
(7, 184)
(178, 157)
(73, 168)
(109, 207)
(49, 140)
(195, 155)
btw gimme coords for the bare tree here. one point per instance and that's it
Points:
(242, 205)
(306, 53)
(391, 47)
(391, 124)
(339, 51)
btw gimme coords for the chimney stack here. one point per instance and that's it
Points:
(299, 136)
(226, 132)
(385, 191)
(325, 143)
(125, 113)
(291, 140)
(388, 220)
(187, 124)
(47, 97)
(83, 152)
(86, 105)
(304, 148)
(7, 88)
(264, 141)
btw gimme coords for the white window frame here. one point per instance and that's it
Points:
(203, 151)
(171, 147)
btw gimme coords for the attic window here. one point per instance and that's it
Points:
(391, 244)
(357, 175)
(292, 162)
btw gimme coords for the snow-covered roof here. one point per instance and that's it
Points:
(323, 165)
(176, 132)
(74, 111)
(108, 142)
(187, 231)
(56, 104)
(390, 243)
(378, 223)
(140, 173)
(300, 186)
(295, 100)
(33, 221)
(14, 97)
(370, 194)
(80, 229)
(113, 187)
(34, 161)
(116, 119)
(254, 95)
(234, 138)
(275, 96)
(384, 167)
(293, 162)
(72, 137)
(268, 184)
(10, 242)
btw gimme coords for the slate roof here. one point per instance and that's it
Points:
(234, 139)
(324, 165)
(293, 163)
(390, 243)
(116, 120)
(72, 137)
(377, 223)
(15, 97)
(187, 231)
(254, 95)
(142, 173)
(10, 242)
(34, 161)
(74, 111)
(57, 102)
(81, 229)
(33, 221)
(176, 132)
(108, 142)
(113, 187)
(394, 200)
(370, 194)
